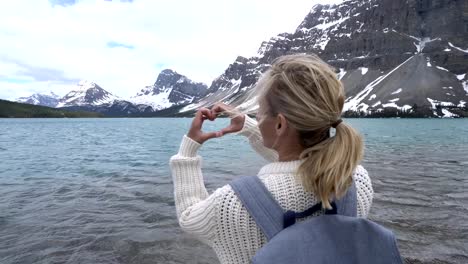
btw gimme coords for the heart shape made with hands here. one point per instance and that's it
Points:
(203, 114)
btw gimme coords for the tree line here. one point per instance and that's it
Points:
(19, 110)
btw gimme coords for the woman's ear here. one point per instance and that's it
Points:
(281, 125)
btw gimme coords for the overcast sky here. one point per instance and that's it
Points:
(49, 45)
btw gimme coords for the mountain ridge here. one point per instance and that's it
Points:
(366, 41)
(389, 54)
(169, 90)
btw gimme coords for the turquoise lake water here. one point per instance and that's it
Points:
(100, 190)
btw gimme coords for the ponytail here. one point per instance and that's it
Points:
(328, 165)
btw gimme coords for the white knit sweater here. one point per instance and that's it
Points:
(220, 220)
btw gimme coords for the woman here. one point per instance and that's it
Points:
(300, 99)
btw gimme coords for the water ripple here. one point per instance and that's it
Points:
(100, 190)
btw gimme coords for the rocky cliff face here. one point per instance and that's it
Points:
(170, 89)
(388, 53)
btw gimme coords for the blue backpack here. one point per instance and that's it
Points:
(336, 237)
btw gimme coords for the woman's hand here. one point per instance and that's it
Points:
(237, 118)
(236, 125)
(196, 132)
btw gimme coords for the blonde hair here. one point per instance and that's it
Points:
(307, 92)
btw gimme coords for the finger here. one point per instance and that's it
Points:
(220, 112)
(198, 120)
(216, 110)
(199, 113)
(207, 112)
(204, 117)
(215, 113)
(211, 135)
(227, 130)
(219, 108)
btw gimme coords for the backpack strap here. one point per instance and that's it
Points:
(269, 215)
(260, 204)
(347, 205)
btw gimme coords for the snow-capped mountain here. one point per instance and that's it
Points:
(50, 100)
(87, 93)
(389, 54)
(398, 54)
(170, 89)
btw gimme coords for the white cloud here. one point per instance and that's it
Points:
(196, 38)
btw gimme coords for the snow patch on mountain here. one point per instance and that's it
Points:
(428, 62)
(441, 68)
(397, 91)
(326, 25)
(465, 86)
(434, 103)
(394, 105)
(354, 103)
(341, 74)
(460, 49)
(448, 114)
(156, 101)
(421, 44)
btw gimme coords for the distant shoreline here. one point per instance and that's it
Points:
(10, 109)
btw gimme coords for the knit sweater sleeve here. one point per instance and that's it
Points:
(196, 210)
(365, 193)
(252, 132)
